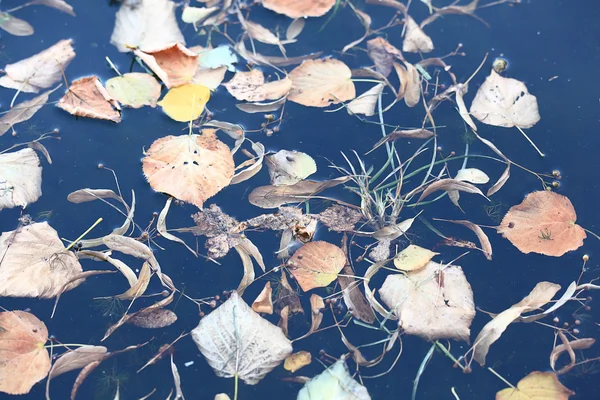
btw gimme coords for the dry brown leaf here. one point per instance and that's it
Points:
(295, 361)
(75, 359)
(147, 24)
(543, 223)
(319, 83)
(299, 8)
(356, 302)
(39, 71)
(415, 40)
(568, 347)
(536, 386)
(236, 341)
(35, 262)
(174, 64)
(541, 294)
(86, 97)
(23, 111)
(20, 178)
(505, 102)
(449, 184)
(383, 54)
(251, 86)
(284, 315)
(191, 168)
(366, 102)
(410, 83)
(264, 302)
(23, 359)
(140, 285)
(273, 196)
(153, 319)
(435, 302)
(486, 246)
(316, 264)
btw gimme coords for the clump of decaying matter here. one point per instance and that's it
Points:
(340, 218)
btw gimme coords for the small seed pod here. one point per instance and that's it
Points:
(499, 65)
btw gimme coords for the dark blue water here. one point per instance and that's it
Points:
(540, 39)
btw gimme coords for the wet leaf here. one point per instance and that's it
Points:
(543, 223)
(134, 89)
(299, 8)
(413, 258)
(316, 264)
(383, 54)
(86, 97)
(273, 196)
(15, 26)
(295, 361)
(35, 262)
(23, 359)
(39, 71)
(20, 178)
(185, 103)
(191, 168)
(541, 294)
(335, 383)
(290, 167)
(153, 319)
(147, 24)
(537, 386)
(319, 83)
(264, 302)
(415, 40)
(23, 111)
(251, 86)
(174, 64)
(236, 341)
(435, 302)
(505, 102)
(366, 102)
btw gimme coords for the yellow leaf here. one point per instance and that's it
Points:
(538, 386)
(295, 361)
(185, 103)
(413, 258)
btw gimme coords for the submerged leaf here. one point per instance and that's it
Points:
(319, 83)
(20, 178)
(191, 168)
(23, 359)
(35, 263)
(23, 111)
(236, 341)
(273, 196)
(543, 223)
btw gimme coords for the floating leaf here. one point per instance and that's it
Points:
(335, 383)
(191, 168)
(134, 89)
(39, 71)
(174, 64)
(505, 102)
(295, 361)
(60, 5)
(75, 359)
(147, 24)
(209, 77)
(251, 86)
(185, 103)
(536, 386)
(236, 341)
(448, 185)
(23, 359)
(319, 83)
(295, 28)
(410, 83)
(35, 263)
(435, 302)
(15, 26)
(316, 264)
(299, 8)
(541, 294)
(153, 319)
(290, 167)
(264, 302)
(366, 102)
(197, 15)
(415, 40)
(413, 258)
(20, 178)
(543, 223)
(221, 56)
(86, 97)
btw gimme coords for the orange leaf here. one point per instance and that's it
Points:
(175, 65)
(316, 264)
(87, 97)
(543, 223)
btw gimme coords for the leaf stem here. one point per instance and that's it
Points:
(502, 378)
(84, 233)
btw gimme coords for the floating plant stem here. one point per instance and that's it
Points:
(530, 141)
(74, 242)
